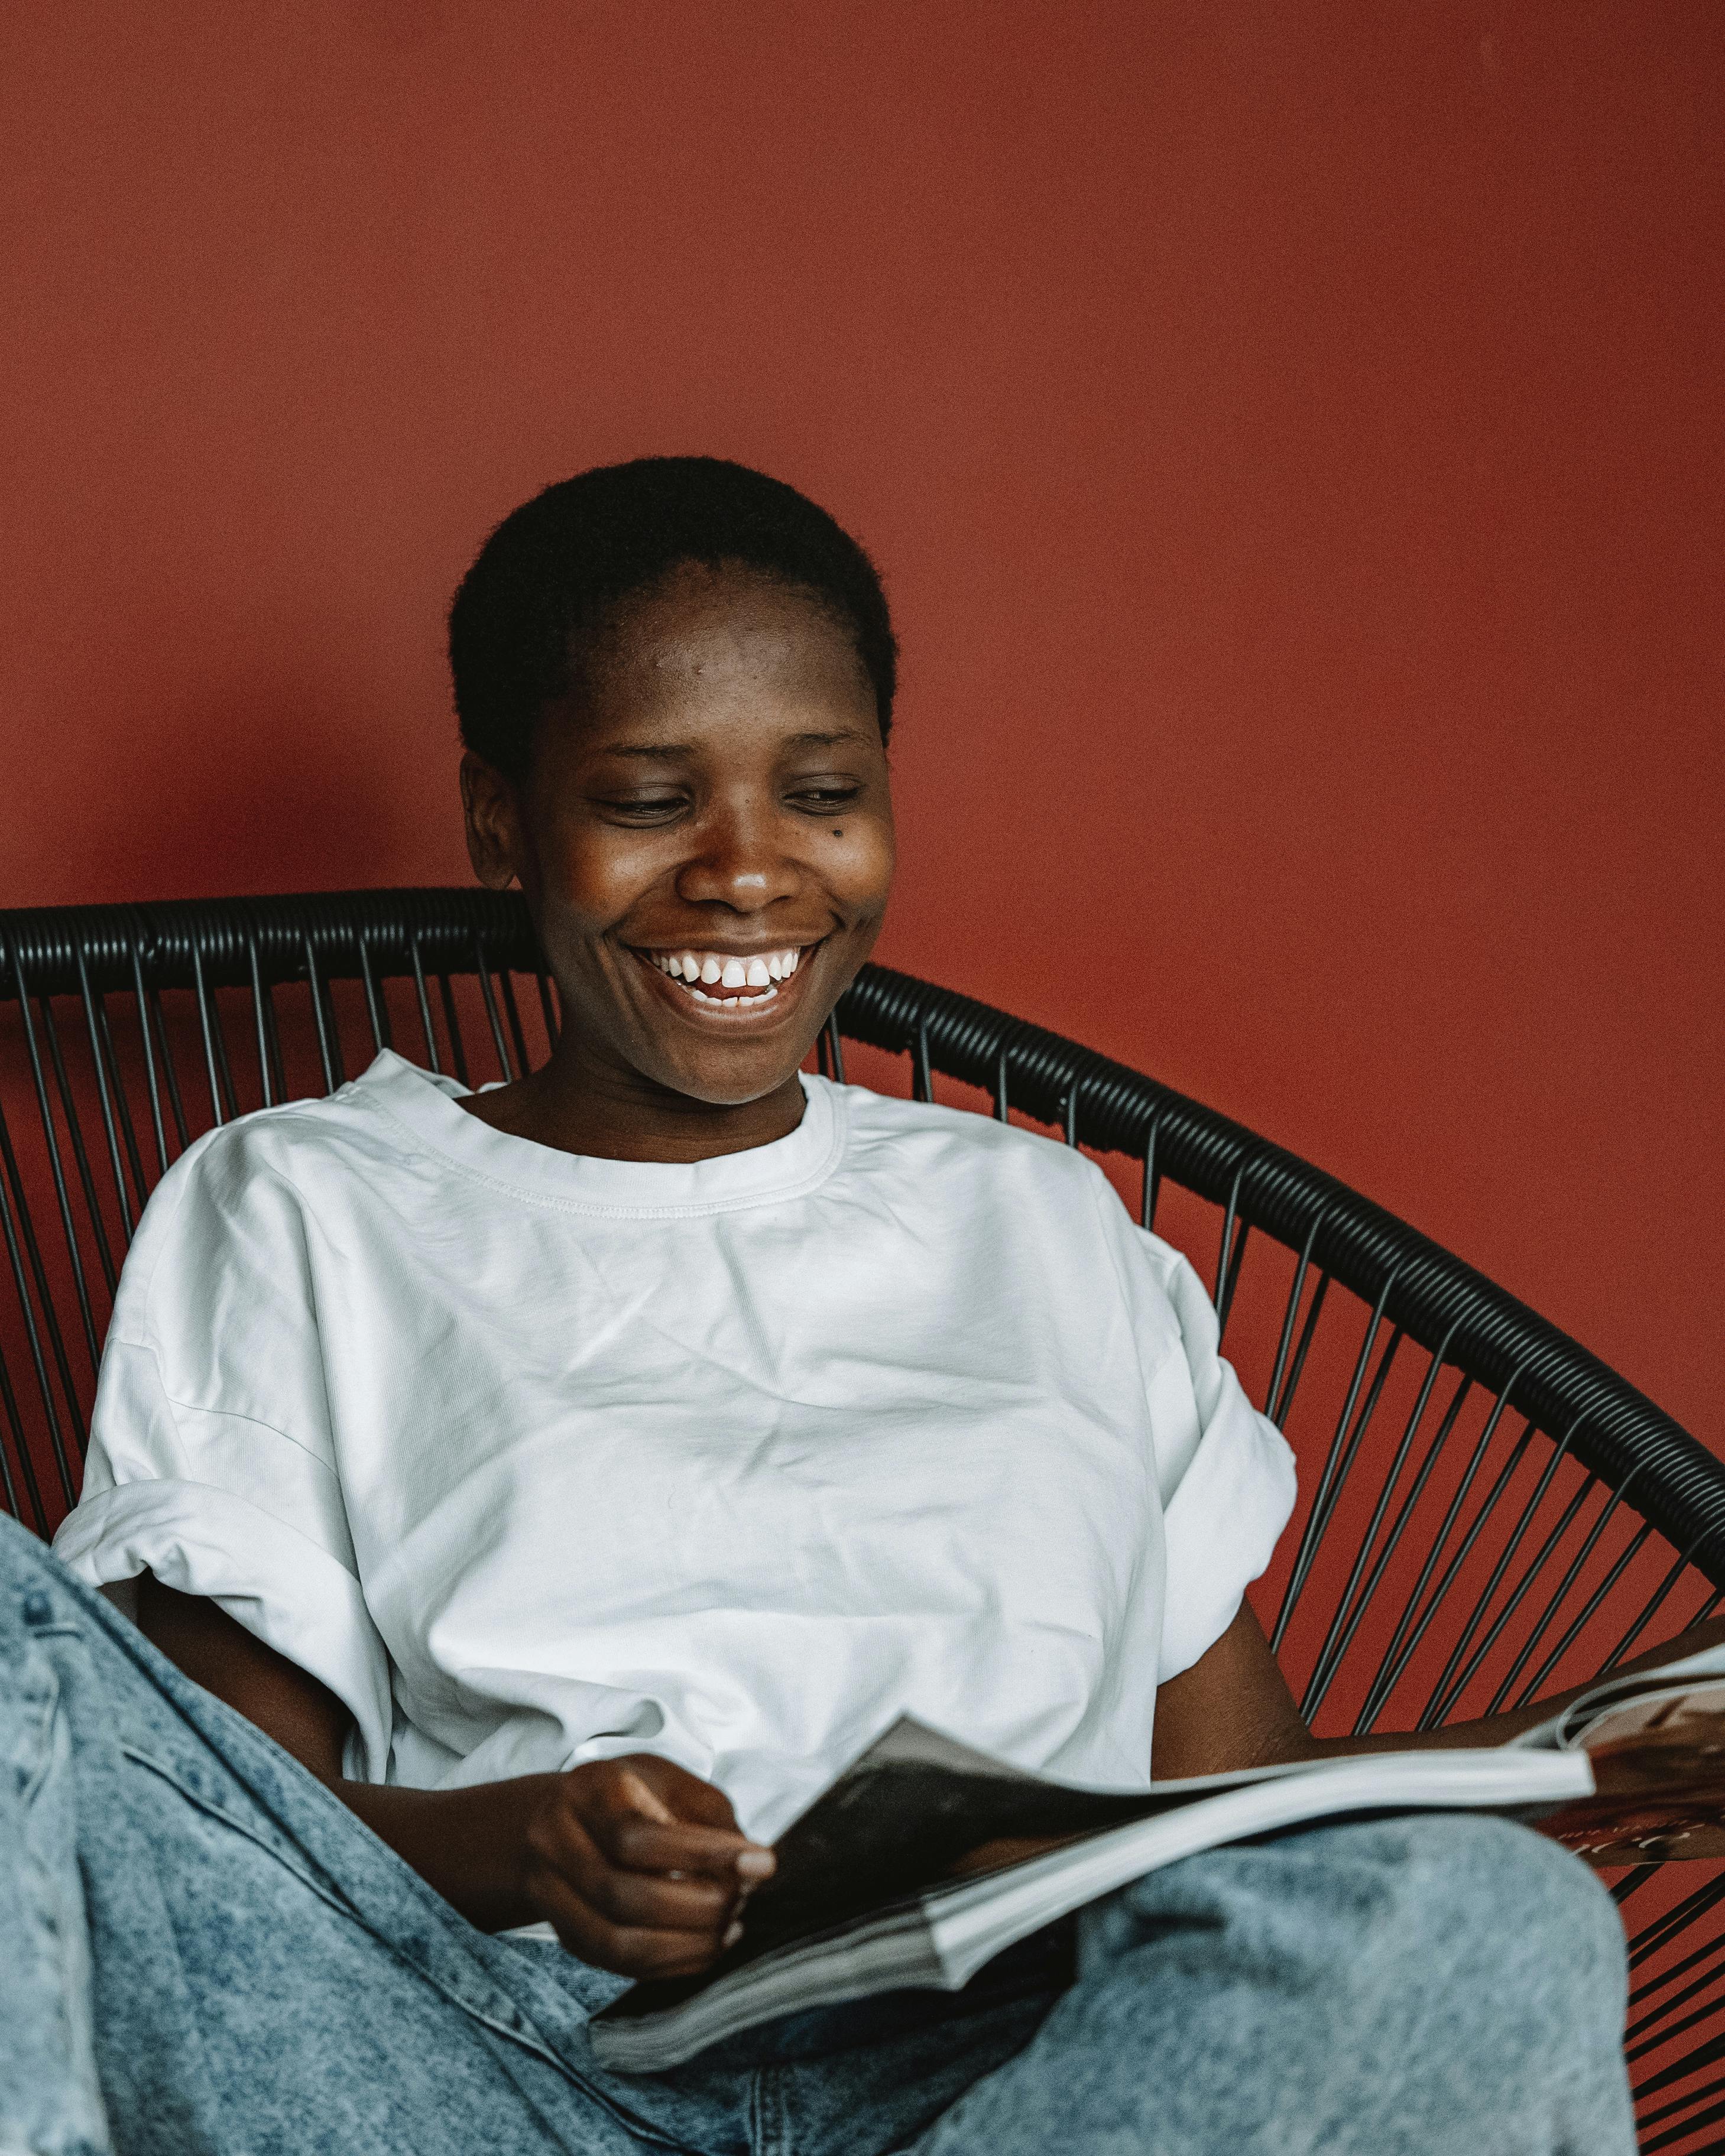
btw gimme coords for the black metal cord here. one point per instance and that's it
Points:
(1106, 1105)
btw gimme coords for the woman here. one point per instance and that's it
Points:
(569, 1478)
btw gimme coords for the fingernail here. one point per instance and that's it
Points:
(732, 1936)
(757, 1863)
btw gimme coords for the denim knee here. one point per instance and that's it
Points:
(1502, 1875)
(1429, 1921)
(1520, 1899)
(1427, 1982)
(1480, 1967)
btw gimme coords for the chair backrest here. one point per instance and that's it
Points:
(1487, 1511)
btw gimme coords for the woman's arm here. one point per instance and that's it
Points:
(1233, 1708)
(638, 1864)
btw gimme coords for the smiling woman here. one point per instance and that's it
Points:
(573, 1477)
(703, 828)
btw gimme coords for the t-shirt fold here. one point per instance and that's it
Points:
(533, 1459)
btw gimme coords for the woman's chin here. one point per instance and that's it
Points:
(731, 1075)
(724, 1067)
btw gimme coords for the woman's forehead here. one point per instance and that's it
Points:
(707, 614)
(722, 646)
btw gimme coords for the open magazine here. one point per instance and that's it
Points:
(924, 1859)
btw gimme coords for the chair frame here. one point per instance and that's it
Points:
(113, 959)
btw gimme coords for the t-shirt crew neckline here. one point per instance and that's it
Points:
(428, 1107)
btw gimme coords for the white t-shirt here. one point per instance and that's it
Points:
(532, 1458)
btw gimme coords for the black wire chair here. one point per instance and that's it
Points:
(1487, 1512)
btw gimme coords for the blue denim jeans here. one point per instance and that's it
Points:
(202, 1950)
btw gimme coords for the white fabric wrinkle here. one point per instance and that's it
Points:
(734, 1462)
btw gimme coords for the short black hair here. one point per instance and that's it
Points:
(553, 568)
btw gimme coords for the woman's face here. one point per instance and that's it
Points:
(706, 837)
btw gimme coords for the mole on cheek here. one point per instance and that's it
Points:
(838, 831)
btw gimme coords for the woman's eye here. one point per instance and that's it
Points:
(645, 809)
(824, 799)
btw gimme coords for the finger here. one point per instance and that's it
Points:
(628, 1806)
(634, 1793)
(626, 1949)
(684, 1795)
(640, 1844)
(648, 1901)
(660, 1899)
(697, 1852)
(645, 1903)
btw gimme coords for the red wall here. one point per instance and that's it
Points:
(1292, 435)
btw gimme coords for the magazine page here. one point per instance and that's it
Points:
(925, 1858)
(1570, 1726)
(917, 1808)
(1658, 1754)
(971, 1924)
(941, 1935)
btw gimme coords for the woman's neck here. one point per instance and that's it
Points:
(574, 1105)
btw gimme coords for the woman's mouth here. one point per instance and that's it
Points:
(728, 979)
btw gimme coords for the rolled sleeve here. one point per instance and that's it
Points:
(1225, 1472)
(223, 1505)
(268, 1576)
(1222, 1524)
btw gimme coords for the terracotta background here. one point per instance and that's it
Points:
(1292, 436)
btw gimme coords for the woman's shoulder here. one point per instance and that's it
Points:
(232, 1183)
(928, 1140)
(358, 1115)
(958, 1157)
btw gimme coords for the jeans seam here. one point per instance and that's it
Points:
(212, 1810)
(344, 1908)
(42, 1712)
(50, 1909)
(769, 2122)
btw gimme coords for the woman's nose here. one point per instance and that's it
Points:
(739, 864)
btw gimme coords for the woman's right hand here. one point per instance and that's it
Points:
(639, 1866)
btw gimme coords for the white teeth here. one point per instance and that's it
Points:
(734, 1002)
(715, 969)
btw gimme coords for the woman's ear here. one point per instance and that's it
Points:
(494, 835)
